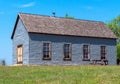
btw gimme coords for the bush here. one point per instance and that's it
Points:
(2, 62)
(118, 51)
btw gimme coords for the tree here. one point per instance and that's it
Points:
(114, 25)
(118, 53)
(69, 17)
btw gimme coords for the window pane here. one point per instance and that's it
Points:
(85, 51)
(103, 52)
(46, 50)
(67, 50)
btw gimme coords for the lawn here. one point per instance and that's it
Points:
(60, 75)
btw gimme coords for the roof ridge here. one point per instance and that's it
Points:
(61, 17)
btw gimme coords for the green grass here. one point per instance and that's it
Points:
(60, 75)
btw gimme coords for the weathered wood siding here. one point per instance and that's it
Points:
(77, 43)
(21, 38)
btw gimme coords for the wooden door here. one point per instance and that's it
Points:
(19, 54)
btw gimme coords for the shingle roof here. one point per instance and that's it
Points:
(62, 26)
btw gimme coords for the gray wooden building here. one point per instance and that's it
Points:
(58, 41)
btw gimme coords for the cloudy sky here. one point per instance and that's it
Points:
(98, 10)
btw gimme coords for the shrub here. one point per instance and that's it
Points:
(118, 51)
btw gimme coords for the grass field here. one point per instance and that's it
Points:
(60, 75)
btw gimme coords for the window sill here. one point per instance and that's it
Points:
(67, 59)
(46, 58)
(85, 59)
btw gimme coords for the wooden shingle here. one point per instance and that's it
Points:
(62, 26)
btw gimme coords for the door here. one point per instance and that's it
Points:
(19, 54)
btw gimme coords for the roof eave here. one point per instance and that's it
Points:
(74, 35)
(15, 27)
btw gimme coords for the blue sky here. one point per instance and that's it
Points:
(98, 10)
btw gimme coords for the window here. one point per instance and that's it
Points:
(19, 54)
(86, 52)
(103, 52)
(46, 51)
(67, 51)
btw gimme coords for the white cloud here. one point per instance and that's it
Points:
(27, 5)
(88, 7)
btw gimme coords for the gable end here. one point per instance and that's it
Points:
(18, 17)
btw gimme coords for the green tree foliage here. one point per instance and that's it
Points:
(118, 51)
(114, 25)
(69, 17)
